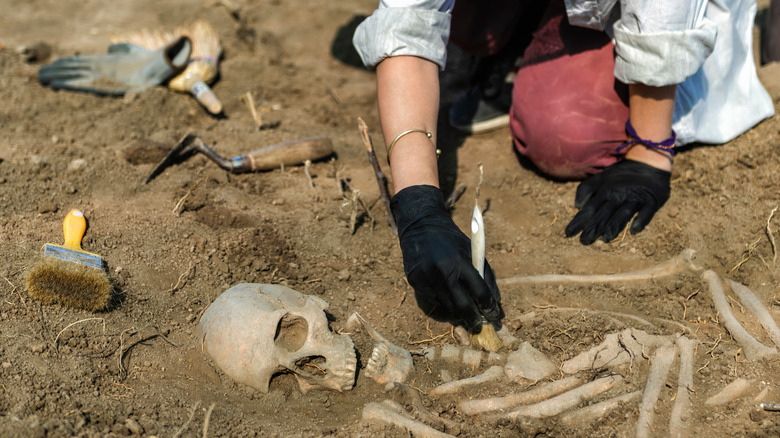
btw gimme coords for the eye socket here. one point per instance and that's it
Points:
(291, 332)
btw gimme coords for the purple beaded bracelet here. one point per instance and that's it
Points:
(666, 145)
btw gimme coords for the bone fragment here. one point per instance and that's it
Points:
(492, 373)
(617, 349)
(528, 363)
(752, 348)
(751, 301)
(411, 396)
(563, 402)
(381, 413)
(659, 368)
(597, 411)
(679, 263)
(464, 355)
(388, 362)
(731, 392)
(481, 406)
(681, 411)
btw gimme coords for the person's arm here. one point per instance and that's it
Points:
(408, 98)
(650, 111)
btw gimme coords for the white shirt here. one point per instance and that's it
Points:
(704, 46)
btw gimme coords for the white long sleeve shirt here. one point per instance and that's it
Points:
(705, 46)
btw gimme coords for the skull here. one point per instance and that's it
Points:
(255, 331)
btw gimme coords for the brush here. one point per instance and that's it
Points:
(203, 66)
(68, 275)
(486, 339)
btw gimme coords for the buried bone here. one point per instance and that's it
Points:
(617, 349)
(255, 331)
(407, 395)
(528, 363)
(659, 368)
(493, 373)
(536, 395)
(392, 413)
(388, 362)
(681, 410)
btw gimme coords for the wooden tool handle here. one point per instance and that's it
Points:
(74, 226)
(290, 153)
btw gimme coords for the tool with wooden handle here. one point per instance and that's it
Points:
(487, 339)
(268, 158)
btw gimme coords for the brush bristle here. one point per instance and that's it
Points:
(487, 339)
(53, 281)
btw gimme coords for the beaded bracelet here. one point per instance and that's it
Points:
(392, 143)
(666, 145)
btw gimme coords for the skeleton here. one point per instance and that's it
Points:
(255, 331)
(569, 397)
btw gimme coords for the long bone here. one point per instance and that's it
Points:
(493, 373)
(679, 263)
(659, 368)
(681, 411)
(390, 412)
(405, 394)
(751, 301)
(597, 411)
(543, 392)
(752, 348)
(563, 402)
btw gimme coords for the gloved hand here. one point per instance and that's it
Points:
(437, 262)
(126, 67)
(609, 199)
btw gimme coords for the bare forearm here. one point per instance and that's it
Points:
(651, 111)
(408, 97)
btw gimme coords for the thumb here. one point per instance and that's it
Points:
(587, 189)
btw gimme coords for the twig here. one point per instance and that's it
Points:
(179, 205)
(449, 203)
(189, 420)
(307, 171)
(56, 339)
(250, 103)
(753, 348)
(182, 276)
(380, 177)
(207, 420)
(770, 236)
(353, 215)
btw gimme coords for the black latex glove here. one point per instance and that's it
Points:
(437, 262)
(609, 199)
(126, 67)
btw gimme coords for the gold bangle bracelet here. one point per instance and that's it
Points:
(398, 137)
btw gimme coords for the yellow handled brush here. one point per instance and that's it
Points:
(68, 275)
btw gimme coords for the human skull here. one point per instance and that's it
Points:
(255, 331)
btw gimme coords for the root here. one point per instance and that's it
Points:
(751, 301)
(388, 413)
(679, 263)
(659, 368)
(492, 373)
(752, 348)
(591, 413)
(563, 402)
(481, 406)
(681, 410)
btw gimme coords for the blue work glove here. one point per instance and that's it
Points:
(126, 67)
(437, 262)
(609, 199)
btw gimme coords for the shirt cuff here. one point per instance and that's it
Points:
(403, 31)
(662, 58)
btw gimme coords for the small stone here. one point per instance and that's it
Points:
(37, 347)
(344, 275)
(47, 207)
(135, 428)
(77, 164)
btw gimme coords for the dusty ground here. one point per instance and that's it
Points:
(138, 367)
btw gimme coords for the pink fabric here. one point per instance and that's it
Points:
(568, 111)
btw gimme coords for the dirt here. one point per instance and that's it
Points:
(171, 246)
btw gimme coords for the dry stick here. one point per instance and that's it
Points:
(672, 266)
(563, 402)
(56, 346)
(659, 368)
(493, 373)
(306, 170)
(381, 413)
(770, 236)
(380, 177)
(751, 301)
(752, 348)
(589, 414)
(481, 406)
(189, 420)
(207, 419)
(353, 214)
(250, 102)
(187, 195)
(681, 410)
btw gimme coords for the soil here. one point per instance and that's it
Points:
(173, 245)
